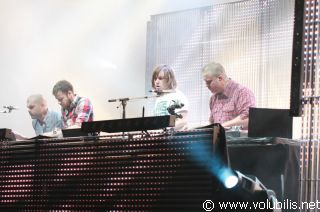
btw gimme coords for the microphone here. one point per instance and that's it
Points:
(161, 91)
(9, 107)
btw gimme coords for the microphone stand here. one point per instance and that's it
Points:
(123, 102)
(9, 109)
(6, 111)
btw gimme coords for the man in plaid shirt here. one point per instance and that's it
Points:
(74, 109)
(230, 101)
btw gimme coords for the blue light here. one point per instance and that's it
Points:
(214, 164)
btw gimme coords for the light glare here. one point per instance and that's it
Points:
(231, 181)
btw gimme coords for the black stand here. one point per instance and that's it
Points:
(123, 102)
(9, 109)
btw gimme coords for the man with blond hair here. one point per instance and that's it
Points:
(230, 101)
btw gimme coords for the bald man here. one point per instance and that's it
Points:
(43, 119)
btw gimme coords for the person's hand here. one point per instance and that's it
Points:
(56, 133)
(225, 127)
(19, 136)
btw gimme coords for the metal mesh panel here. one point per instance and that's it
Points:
(252, 39)
(110, 173)
(310, 166)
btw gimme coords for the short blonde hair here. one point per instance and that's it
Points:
(168, 74)
(36, 98)
(214, 69)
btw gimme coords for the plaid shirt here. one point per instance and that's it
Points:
(80, 110)
(234, 101)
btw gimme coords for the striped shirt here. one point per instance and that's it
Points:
(234, 101)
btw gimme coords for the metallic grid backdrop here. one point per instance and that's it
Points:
(252, 39)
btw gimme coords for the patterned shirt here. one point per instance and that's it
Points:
(234, 101)
(80, 110)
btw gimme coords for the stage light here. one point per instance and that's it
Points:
(231, 181)
(246, 188)
(250, 184)
(227, 176)
(215, 165)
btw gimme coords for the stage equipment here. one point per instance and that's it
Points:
(309, 189)
(8, 109)
(297, 58)
(162, 172)
(166, 171)
(176, 105)
(127, 125)
(123, 102)
(274, 161)
(159, 92)
(7, 135)
(267, 122)
(76, 132)
(248, 190)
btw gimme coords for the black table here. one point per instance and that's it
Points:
(274, 161)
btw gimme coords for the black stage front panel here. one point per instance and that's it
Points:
(118, 172)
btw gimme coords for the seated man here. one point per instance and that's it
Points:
(43, 119)
(230, 101)
(74, 109)
(164, 82)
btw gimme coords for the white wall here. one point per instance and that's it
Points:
(98, 45)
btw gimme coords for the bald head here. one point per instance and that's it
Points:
(37, 106)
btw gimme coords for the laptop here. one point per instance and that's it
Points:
(267, 122)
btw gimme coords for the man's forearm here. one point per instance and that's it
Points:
(237, 121)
